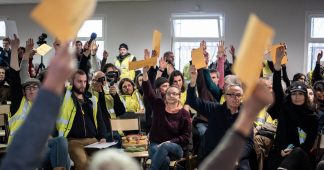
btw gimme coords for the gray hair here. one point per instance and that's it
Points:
(113, 159)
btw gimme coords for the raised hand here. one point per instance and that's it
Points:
(105, 55)
(232, 50)
(15, 42)
(29, 45)
(146, 54)
(146, 68)
(94, 48)
(162, 64)
(193, 74)
(221, 49)
(280, 53)
(319, 56)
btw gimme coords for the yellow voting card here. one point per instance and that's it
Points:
(156, 43)
(62, 18)
(273, 54)
(142, 63)
(198, 59)
(257, 37)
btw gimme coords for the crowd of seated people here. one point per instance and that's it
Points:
(181, 117)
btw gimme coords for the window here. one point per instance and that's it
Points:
(95, 25)
(314, 38)
(2, 31)
(189, 30)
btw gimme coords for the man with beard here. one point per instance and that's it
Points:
(122, 61)
(4, 87)
(80, 120)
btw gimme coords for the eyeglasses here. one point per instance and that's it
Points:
(233, 95)
(173, 93)
(31, 88)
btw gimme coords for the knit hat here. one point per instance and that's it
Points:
(123, 45)
(158, 82)
(30, 81)
(298, 86)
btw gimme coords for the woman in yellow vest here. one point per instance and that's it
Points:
(122, 61)
(131, 98)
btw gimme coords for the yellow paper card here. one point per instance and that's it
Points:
(63, 18)
(43, 49)
(198, 59)
(257, 37)
(142, 63)
(156, 43)
(273, 54)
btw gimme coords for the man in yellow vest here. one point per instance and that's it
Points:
(80, 120)
(122, 61)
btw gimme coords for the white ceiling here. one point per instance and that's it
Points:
(37, 1)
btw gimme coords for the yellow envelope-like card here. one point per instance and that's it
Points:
(257, 37)
(198, 59)
(142, 63)
(43, 49)
(273, 54)
(62, 18)
(156, 43)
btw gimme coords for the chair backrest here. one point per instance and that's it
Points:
(124, 124)
(5, 109)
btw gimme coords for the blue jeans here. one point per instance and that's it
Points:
(161, 156)
(202, 127)
(56, 154)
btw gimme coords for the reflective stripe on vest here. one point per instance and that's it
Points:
(18, 118)
(68, 111)
(129, 99)
(302, 135)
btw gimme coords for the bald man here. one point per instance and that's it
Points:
(109, 100)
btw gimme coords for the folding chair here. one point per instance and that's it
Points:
(128, 125)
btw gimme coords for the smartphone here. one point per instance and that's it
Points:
(289, 147)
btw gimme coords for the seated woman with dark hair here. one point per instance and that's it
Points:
(171, 125)
(297, 124)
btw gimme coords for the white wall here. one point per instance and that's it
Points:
(133, 22)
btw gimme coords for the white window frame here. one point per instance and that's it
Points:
(221, 26)
(308, 39)
(2, 37)
(104, 32)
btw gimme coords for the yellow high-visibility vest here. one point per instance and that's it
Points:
(19, 117)
(123, 66)
(68, 111)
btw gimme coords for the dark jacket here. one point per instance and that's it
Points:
(83, 123)
(119, 109)
(220, 119)
(290, 117)
(4, 92)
